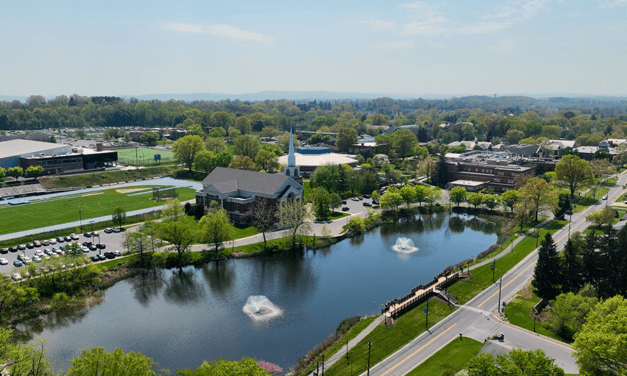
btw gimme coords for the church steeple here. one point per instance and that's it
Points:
(291, 158)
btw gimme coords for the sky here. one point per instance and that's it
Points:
(475, 47)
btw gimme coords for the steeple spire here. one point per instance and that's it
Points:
(291, 158)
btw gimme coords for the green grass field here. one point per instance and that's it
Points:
(145, 156)
(92, 205)
(451, 359)
(518, 313)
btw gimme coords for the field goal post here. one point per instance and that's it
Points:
(160, 194)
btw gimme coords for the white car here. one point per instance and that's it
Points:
(16, 276)
(4, 261)
(52, 241)
(36, 258)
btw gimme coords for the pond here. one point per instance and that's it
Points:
(182, 317)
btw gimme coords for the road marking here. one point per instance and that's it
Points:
(513, 279)
(417, 351)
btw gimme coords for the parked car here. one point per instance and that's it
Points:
(39, 252)
(109, 255)
(343, 202)
(101, 246)
(118, 229)
(354, 199)
(108, 230)
(345, 208)
(68, 238)
(37, 243)
(13, 249)
(21, 247)
(367, 203)
(26, 260)
(367, 196)
(92, 247)
(4, 261)
(49, 252)
(30, 245)
(84, 249)
(73, 236)
(95, 258)
(18, 263)
(60, 239)
(53, 241)
(4, 251)
(45, 243)
(376, 202)
(117, 253)
(16, 276)
(60, 252)
(36, 258)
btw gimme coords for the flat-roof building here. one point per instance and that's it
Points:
(11, 151)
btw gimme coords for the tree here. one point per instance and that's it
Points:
(295, 217)
(571, 267)
(321, 200)
(269, 132)
(475, 199)
(217, 132)
(150, 138)
(186, 148)
(408, 193)
(403, 142)
(491, 201)
(540, 194)
(601, 344)
(28, 360)
(242, 162)
(568, 312)
(548, 273)
(247, 145)
(327, 177)
(16, 172)
(172, 210)
(420, 152)
(458, 195)
(216, 145)
(284, 141)
(267, 161)
(523, 212)
(573, 172)
(34, 171)
(242, 123)
(514, 136)
(219, 367)
(443, 176)
(222, 119)
(356, 225)
(138, 241)
(13, 295)
(421, 194)
(206, 161)
(217, 229)
(516, 363)
(427, 167)
(3, 173)
(391, 200)
(98, 362)
(193, 130)
(234, 133)
(263, 215)
(179, 233)
(604, 217)
(510, 198)
(119, 217)
(346, 137)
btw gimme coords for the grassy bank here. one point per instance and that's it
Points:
(65, 210)
(386, 341)
(451, 359)
(108, 177)
(481, 278)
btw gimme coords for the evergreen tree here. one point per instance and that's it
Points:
(571, 268)
(443, 176)
(591, 261)
(620, 261)
(548, 270)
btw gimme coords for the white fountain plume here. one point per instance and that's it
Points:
(259, 308)
(404, 245)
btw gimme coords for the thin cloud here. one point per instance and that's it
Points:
(378, 24)
(432, 25)
(530, 8)
(484, 27)
(416, 5)
(223, 30)
(235, 33)
(188, 28)
(396, 45)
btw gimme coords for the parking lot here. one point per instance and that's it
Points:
(112, 242)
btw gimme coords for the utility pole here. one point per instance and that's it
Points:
(80, 219)
(369, 344)
(346, 351)
(500, 284)
(493, 266)
(427, 312)
(322, 364)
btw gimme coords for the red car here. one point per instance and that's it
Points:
(345, 208)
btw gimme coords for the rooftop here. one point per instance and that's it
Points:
(227, 180)
(320, 159)
(20, 147)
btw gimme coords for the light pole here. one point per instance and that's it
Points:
(370, 344)
(80, 219)
(500, 284)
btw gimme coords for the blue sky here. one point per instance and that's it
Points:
(446, 47)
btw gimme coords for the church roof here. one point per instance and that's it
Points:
(226, 180)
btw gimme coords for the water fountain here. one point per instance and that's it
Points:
(260, 308)
(404, 245)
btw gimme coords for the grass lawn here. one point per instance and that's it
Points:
(144, 156)
(518, 313)
(387, 341)
(482, 277)
(586, 200)
(109, 177)
(451, 359)
(92, 205)
(333, 215)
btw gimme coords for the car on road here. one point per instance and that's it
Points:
(108, 230)
(18, 263)
(4, 261)
(60, 239)
(345, 208)
(4, 251)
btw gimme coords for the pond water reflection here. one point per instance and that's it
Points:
(180, 317)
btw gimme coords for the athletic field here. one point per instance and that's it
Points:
(92, 205)
(145, 156)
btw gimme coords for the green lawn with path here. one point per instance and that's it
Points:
(64, 210)
(451, 359)
(386, 341)
(518, 312)
(481, 278)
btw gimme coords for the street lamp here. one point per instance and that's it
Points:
(80, 219)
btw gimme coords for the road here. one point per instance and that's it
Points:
(477, 320)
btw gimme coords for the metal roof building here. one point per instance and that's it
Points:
(11, 151)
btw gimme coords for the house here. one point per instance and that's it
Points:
(235, 190)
